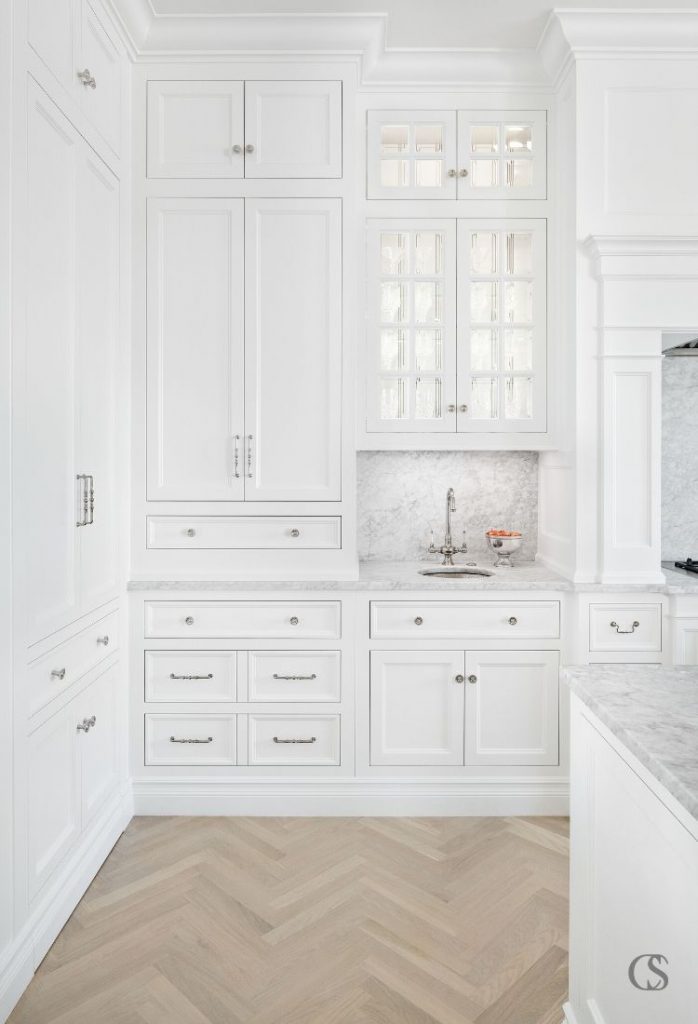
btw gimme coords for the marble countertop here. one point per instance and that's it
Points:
(654, 712)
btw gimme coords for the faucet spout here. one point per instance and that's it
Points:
(450, 507)
(448, 549)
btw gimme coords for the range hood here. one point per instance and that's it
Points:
(685, 348)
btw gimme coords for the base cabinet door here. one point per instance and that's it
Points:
(511, 708)
(417, 707)
(98, 751)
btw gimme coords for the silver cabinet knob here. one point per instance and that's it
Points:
(452, 173)
(189, 620)
(451, 408)
(92, 721)
(418, 621)
(293, 620)
(87, 78)
(191, 532)
(295, 533)
(460, 678)
(103, 640)
(462, 408)
(237, 149)
(249, 148)
(58, 673)
(463, 173)
(472, 679)
(513, 620)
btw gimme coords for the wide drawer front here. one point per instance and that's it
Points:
(625, 627)
(52, 674)
(190, 739)
(190, 676)
(294, 739)
(294, 676)
(225, 532)
(503, 620)
(292, 620)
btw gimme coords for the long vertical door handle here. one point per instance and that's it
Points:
(91, 498)
(83, 500)
(249, 455)
(236, 456)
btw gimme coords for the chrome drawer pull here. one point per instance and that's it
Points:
(236, 451)
(174, 739)
(632, 629)
(58, 673)
(191, 532)
(104, 640)
(277, 676)
(189, 621)
(87, 724)
(313, 739)
(84, 499)
(294, 620)
(418, 621)
(513, 620)
(87, 78)
(173, 676)
(295, 533)
(249, 455)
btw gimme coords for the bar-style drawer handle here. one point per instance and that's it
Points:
(174, 739)
(58, 673)
(614, 625)
(209, 676)
(103, 640)
(277, 676)
(313, 739)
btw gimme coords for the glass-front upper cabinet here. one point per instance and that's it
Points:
(495, 154)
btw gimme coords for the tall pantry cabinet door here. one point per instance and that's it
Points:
(97, 326)
(195, 389)
(293, 349)
(47, 462)
(51, 32)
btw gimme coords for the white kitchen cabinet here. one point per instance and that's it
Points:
(52, 32)
(511, 707)
(417, 703)
(412, 154)
(98, 746)
(502, 153)
(196, 129)
(100, 91)
(685, 641)
(293, 129)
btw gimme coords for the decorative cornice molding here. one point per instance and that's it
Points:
(641, 257)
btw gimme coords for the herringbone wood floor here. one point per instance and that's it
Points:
(316, 921)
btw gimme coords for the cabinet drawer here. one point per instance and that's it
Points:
(502, 620)
(294, 676)
(190, 739)
(294, 739)
(52, 674)
(625, 627)
(190, 676)
(226, 532)
(320, 620)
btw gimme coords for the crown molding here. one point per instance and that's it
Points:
(648, 257)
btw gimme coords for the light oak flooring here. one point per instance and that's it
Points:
(316, 921)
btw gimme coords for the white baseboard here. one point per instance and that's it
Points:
(54, 906)
(353, 797)
(570, 1017)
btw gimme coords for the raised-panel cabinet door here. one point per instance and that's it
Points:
(293, 129)
(97, 330)
(101, 89)
(51, 34)
(96, 712)
(293, 349)
(195, 362)
(48, 485)
(417, 704)
(196, 130)
(52, 797)
(511, 707)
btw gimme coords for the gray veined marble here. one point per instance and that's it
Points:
(680, 458)
(654, 712)
(401, 498)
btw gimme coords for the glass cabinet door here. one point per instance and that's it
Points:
(501, 325)
(411, 154)
(501, 154)
(412, 325)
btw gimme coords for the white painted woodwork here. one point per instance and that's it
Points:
(99, 771)
(634, 886)
(98, 53)
(293, 346)
(52, 674)
(511, 707)
(625, 635)
(193, 127)
(411, 154)
(49, 470)
(97, 337)
(293, 739)
(53, 795)
(294, 129)
(685, 646)
(190, 739)
(512, 170)
(52, 33)
(295, 620)
(502, 620)
(226, 532)
(190, 676)
(281, 676)
(417, 707)
(195, 390)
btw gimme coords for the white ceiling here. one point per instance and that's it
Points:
(459, 24)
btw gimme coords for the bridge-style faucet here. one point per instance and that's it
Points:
(448, 549)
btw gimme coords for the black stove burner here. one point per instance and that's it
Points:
(689, 565)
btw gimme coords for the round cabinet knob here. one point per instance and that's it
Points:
(513, 620)
(294, 620)
(103, 640)
(237, 149)
(463, 173)
(472, 679)
(295, 533)
(452, 173)
(418, 621)
(249, 148)
(462, 408)
(451, 408)
(191, 532)
(460, 678)
(189, 620)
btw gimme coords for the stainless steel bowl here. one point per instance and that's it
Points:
(503, 548)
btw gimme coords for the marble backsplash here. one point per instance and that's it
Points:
(680, 458)
(402, 496)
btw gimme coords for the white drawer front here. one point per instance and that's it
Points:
(190, 675)
(294, 739)
(190, 739)
(294, 676)
(226, 532)
(52, 674)
(501, 620)
(625, 627)
(292, 620)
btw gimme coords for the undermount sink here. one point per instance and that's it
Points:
(455, 571)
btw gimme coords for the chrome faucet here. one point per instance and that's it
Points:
(448, 549)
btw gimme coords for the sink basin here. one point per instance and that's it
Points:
(455, 572)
